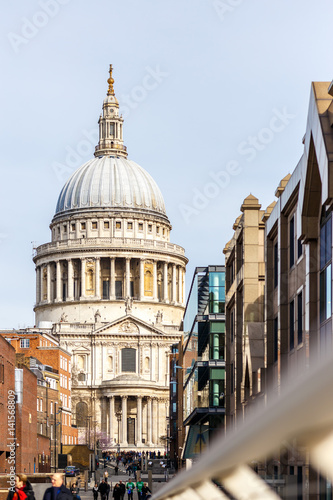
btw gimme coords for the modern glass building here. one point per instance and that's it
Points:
(203, 359)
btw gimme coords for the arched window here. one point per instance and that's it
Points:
(81, 414)
(128, 360)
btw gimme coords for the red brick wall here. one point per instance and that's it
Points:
(7, 388)
(26, 424)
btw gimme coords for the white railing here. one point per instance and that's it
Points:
(304, 412)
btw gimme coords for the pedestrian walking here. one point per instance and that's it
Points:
(95, 491)
(145, 492)
(122, 490)
(130, 487)
(103, 489)
(23, 489)
(58, 490)
(117, 492)
(75, 491)
(116, 469)
(139, 486)
(108, 489)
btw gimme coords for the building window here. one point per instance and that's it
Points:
(73, 226)
(118, 224)
(51, 408)
(106, 289)
(83, 226)
(292, 325)
(300, 318)
(25, 343)
(140, 226)
(276, 263)
(94, 225)
(232, 326)
(106, 224)
(299, 248)
(292, 242)
(275, 340)
(128, 360)
(150, 228)
(65, 229)
(157, 229)
(119, 289)
(326, 270)
(216, 292)
(130, 225)
(37, 404)
(40, 405)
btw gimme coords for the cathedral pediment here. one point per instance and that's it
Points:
(129, 325)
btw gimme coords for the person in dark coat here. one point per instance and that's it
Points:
(122, 490)
(23, 489)
(103, 488)
(58, 490)
(117, 492)
(145, 491)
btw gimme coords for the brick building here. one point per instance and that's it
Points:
(7, 386)
(26, 420)
(57, 363)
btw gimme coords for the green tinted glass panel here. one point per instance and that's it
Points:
(217, 327)
(217, 373)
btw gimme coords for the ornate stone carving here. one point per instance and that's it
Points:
(129, 327)
(128, 304)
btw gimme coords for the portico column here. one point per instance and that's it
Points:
(154, 280)
(127, 278)
(155, 420)
(37, 285)
(142, 280)
(70, 279)
(124, 419)
(139, 421)
(111, 413)
(58, 281)
(112, 278)
(150, 423)
(174, 283)
(98, 278)
(83, 278)
(165, 282)
(48, 282)
(41, 270)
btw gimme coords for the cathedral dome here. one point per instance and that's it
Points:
(111, 183)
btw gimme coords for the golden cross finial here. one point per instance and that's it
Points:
(110, 82)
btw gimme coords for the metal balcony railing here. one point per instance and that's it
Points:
(304, 412)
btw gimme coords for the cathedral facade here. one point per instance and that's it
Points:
(112, 285)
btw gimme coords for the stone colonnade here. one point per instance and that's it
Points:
(133, 420)
(109, 278)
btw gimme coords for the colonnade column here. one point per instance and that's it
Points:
(150, 423)
(139, 421)
(98, 278)
(41, 283)
(38, 285)
(154, 280)
(127, 277)
(111, 413)
(180, 284)
(58, 281)
(124, 419)
(174, 283)
(48, 283)
(165, 282)
(70, 295)
(142, 280)
(83, 278)
(112, 278)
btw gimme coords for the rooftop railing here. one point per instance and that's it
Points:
(303, 413)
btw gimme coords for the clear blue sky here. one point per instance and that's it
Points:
(215, 95)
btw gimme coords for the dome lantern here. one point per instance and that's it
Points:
(110, 126)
